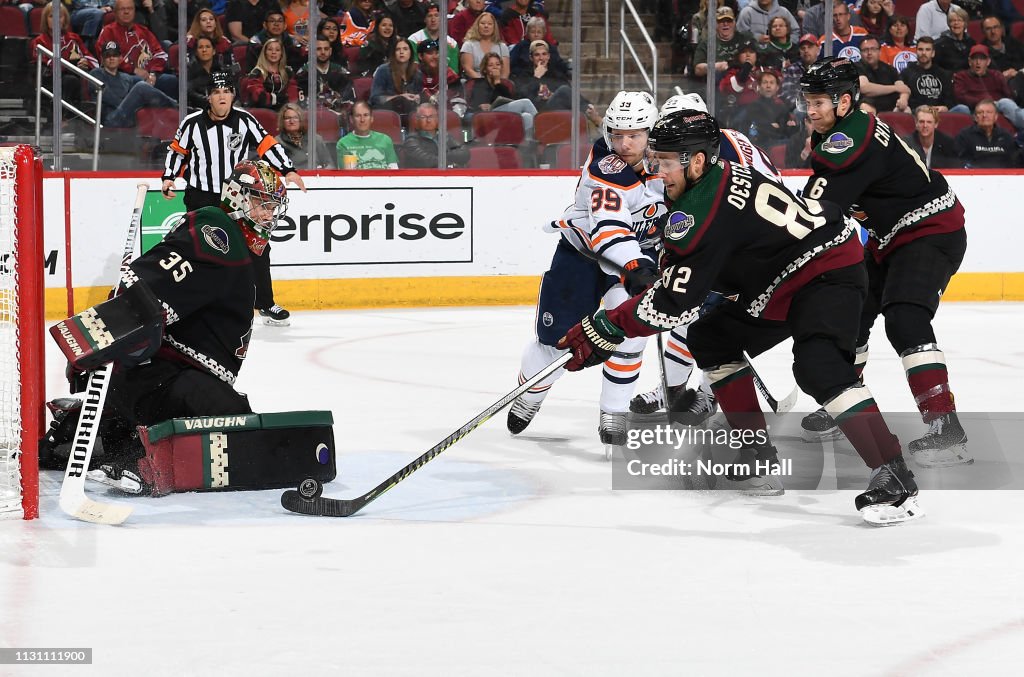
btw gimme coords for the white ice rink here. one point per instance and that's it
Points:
(513, 556)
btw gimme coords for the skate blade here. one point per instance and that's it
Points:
(124, 485)
(753, 486)
(887, 515)
(942, 458)
(823, 436)
(271, 322)
(609, 451)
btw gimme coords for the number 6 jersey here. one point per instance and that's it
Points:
(744, 234)
(861, 164)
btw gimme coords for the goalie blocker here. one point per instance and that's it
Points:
(238, 452)
(126, 329)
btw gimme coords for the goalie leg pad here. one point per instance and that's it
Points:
(126, 329)
(239, 452)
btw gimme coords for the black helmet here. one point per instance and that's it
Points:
(220, 80)
(832, 75)
(687, 132)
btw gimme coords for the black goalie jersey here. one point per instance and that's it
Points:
(202, 274)
(742, 234)
(861, 164)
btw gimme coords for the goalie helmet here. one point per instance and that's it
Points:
(834, 76)
(252, 186)
(683, 102)
(687, 132)
(629, 110)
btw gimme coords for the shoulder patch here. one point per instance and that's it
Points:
(611, 164)
(217, 238)
(836, 143)
(679, 224)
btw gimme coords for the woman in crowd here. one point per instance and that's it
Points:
(375, 50)
(874, 17)
(779, 51)
(293, 135)
(296, 19)
(201, 67)
(398, 83)
(492, 93)
(330, 29)
(481, 39)
(898, 49)
(205, 25)
(271, 84)
(72, 49)
(952, 46)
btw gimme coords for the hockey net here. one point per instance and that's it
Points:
(21, 330)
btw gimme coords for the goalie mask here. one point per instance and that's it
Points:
(255, 196)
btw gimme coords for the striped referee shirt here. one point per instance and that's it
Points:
(207, 150)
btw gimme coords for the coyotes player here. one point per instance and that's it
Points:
(916, 241)
(795, 266)
(615, 214)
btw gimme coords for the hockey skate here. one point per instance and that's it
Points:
(819, 426)
(693, 406)
(944, 445)
(891, 496)
(520, 415)
(653, 401)
(275, 316)
(612, 431)
(754, 472)
(54, 446)
(122, 476)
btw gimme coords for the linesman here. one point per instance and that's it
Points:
(206, 148)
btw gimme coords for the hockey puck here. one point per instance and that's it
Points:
(310, 489)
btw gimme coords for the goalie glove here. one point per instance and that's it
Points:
(640, 275)
(591, 342)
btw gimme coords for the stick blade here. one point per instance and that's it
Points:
(85, 509)
(293, 501)
(786, 405)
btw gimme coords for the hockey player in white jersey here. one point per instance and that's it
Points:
(616, 215)
(699, 401)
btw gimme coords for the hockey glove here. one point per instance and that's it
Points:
(640, 274)
(591, 342)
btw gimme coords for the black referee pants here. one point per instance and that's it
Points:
(194, 199)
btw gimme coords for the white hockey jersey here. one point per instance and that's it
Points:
(736, 147)
(617, 212)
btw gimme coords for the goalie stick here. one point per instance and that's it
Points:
(73, 500)
(779, 407)
(307, 500)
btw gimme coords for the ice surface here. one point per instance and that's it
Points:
(513, 555)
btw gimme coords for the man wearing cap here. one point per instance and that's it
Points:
(430, 66)
(846, 37)
(739, 86)
(432, 31)
(809, 49)
(880, 84)
(978, 82)
(141, 53)
(123, 93)
(756, 18)
(728, 44)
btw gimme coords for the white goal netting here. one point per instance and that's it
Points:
(10, 368)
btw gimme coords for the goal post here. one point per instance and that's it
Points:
(22, 326)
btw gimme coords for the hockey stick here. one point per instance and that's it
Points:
(307, 500)
(73, 500)
(778, 407)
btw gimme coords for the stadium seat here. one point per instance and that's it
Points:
(493, 157)
(777, 154)
(901, 123)
(239, 52)
(388, 122)
(563, 158)
(172, 58)
(974, 30)
(328, 125)
(266, 117)
(1018, 29)
(157, 123)
(494, 128)
(352, 58)
(35, 19)
(12, 22)
(1001, 121)
(555, 127)
(362, 87)
(454, 123)
(952, 123)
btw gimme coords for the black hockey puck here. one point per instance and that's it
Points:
(310, 489)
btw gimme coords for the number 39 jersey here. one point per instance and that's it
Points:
(746, 235)
(202, 274)
(861, 164)
(617, 210)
